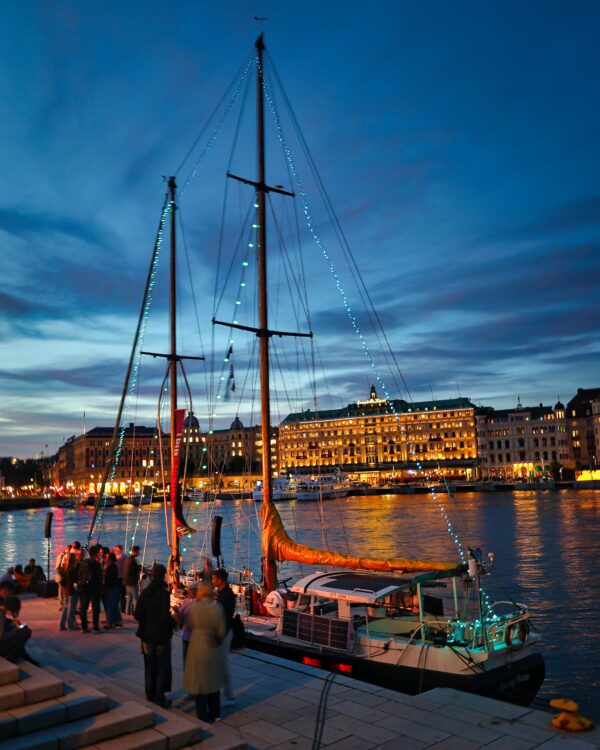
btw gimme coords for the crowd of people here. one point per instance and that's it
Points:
(107, 579)
(104, 578)
(24, 579)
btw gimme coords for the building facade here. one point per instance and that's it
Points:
(583, 437)
(522, 443)
(238, 449)
(391, 437)
(81, 461)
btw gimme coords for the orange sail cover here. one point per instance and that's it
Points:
(277, 545)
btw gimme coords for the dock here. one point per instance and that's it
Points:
(279, 704)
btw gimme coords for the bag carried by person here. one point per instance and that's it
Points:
(239, 633)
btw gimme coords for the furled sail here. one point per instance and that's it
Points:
(277, 545)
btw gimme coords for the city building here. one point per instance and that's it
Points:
(580, 414)
(522, 443)
(81, 461)
(238, 450)
(393, 438)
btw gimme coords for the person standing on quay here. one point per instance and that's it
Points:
(226, 599)
(112, 590)
(131, 577)
(121, 562)
(89, 588)
(68, 585)
(203, 675)
(153, 613)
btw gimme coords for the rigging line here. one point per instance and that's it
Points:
(350, 259)
(237, 247)
(189, 270)
(162, 463)
(317, 239)
(294, 203)
(132, 370)
(226, 193)
(128, 512)
(287, 266)
(189, 425)
(243, 72)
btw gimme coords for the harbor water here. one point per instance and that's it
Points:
(546, 547)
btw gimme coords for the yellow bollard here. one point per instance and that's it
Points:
(569, 717)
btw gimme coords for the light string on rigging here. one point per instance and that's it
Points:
(220, 122)
(317, 239)
(131, 378)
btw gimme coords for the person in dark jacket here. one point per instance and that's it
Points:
(89, 588)
(112, 591)
(226, 599)
(156, 624)
(131, 579)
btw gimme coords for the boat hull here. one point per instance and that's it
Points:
(516, 682)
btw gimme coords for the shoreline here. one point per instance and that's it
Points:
(29, 503)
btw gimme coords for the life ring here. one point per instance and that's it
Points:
(523, 631)
(520, 630)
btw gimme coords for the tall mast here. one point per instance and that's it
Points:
(173, 364)
(269, 566)
(263, 331)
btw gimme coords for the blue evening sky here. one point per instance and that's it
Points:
(459, 142)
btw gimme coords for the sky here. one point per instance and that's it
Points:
(459, 144)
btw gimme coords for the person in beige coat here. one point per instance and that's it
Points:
(203, 676)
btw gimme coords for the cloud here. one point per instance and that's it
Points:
(12, 305)
(31, 224)
(573, 215)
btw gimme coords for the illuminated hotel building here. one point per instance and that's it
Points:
(524, 442)
(393, 438)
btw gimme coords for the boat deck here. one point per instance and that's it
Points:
(277, 702)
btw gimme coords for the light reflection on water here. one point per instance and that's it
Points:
(546, 548)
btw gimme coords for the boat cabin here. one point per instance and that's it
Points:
(333, 608)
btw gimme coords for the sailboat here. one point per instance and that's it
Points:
(406, 624)
(410, 625)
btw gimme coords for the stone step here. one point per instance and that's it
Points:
(124, 719)
(218, 736)
(146, 739)
(38, 685)
(75, 704)
(11, 696)
(9, 672)
(178, 728)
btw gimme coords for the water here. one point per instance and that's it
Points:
(546, 549)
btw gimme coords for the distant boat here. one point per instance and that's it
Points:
(324, 487)
(108, 502)
(284, 488)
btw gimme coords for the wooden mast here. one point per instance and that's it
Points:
(174, 562)
(269, 566)
(263, 331)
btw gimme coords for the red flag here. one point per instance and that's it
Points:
(181, 527)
